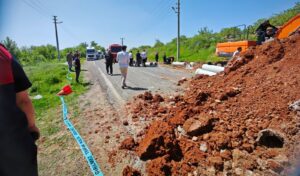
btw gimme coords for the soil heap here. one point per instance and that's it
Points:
(239, 122)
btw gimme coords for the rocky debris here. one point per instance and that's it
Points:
(198, 126)
(181, 81)
(159, 140)
(295, 106)
(125, 123)
(270, 138)
(158, 98)
(244, 120)
(129, 171)
(146, 96)
(128, 144)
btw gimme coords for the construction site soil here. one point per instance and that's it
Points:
(243, 121)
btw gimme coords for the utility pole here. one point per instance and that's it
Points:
(122, 40)
(57, 43)
(177, 10)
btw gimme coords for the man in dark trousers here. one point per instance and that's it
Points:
(77, 66)
(70, 60)
(156, 57)
(138, 58)
(18, 132)
(261, 31)
(109, 62)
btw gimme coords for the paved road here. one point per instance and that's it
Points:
(155, 79)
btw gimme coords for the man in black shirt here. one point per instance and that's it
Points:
(262, 32)
(77, 66)
(18, 132)
(109, 59)
(138, 58)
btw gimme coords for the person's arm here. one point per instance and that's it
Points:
(22, 98)
(25, 104)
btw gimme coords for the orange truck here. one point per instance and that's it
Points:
(226, 49)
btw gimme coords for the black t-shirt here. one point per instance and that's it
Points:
(11, 117)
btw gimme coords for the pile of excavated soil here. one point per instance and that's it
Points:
(235, 123)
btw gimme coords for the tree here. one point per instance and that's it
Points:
(158, 43)
(11, 46)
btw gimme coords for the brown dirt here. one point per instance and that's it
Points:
(212, 128)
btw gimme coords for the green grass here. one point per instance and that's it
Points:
(47, 80)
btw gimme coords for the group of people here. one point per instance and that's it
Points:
(141, 59)
(74, 59)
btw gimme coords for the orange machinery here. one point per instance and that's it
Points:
(289, 28)
(226, 49)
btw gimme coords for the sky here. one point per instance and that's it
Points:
(139, 22)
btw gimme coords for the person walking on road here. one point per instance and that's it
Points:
(123, 60)
(18, 132)
(138, 58)
(144, 57)
(109, 62)
(77, 66)
(70, 60)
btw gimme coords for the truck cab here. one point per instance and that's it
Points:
(91, 54)
(115, 48)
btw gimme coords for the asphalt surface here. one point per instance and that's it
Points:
(158, 79)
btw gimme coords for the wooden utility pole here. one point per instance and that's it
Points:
(177, 10)
(56, 34)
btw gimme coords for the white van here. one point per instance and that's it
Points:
(91, 53)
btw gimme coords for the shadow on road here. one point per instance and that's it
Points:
(136, 88)
(116, 75)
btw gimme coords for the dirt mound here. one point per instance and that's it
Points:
(237, 122)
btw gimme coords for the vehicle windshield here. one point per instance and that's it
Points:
(90, 50)
(115, 49)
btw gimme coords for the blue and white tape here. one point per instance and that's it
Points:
(84, 148)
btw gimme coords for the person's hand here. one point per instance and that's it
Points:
(34, 131)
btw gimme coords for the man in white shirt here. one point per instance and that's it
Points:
(123, 60)
(144, 57)
(237, 52)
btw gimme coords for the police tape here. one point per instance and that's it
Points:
(84, 148)
(69, 78)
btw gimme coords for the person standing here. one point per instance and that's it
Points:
(109, 59)
(77, 66)
(261, 31)
(237, 52)
(18, 132)
(165, 58)
(131, 59)
(123, 60)
(70, 60)
(138, 58)
(144, 57)
(156, 57)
